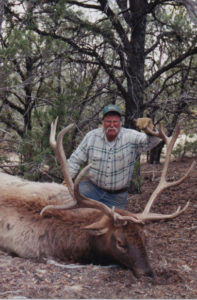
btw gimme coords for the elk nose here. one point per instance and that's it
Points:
(150, 274)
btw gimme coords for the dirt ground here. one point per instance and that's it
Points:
(171, 245)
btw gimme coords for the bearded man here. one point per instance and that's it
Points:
(112, 151)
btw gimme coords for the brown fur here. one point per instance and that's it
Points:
(79, 235)
(43, 192)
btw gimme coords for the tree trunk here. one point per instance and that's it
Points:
(135, 75)
(2, 3)
(154, 154)
(135, 185)
(136, 59)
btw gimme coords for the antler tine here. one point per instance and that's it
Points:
(155, 216)
(163, 184)
(63, 206)
(63, 160)
(52, 140)
(57, 146)
(59, 151)
(120, 220)
(169, 147)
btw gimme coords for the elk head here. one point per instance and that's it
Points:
(124, 243)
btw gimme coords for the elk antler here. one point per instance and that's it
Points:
(73, 188)
(164, 184)
(59, 151)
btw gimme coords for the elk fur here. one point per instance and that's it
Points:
(85, 235)
(46, 193)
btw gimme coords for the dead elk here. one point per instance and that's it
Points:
(91, 232)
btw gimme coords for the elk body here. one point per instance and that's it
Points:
(84, 235)
(43, 220)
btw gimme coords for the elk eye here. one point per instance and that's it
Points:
(121, 246)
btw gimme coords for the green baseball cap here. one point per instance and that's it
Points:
(111, 108)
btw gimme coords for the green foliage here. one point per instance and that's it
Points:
(36, 152)
(187, 148)
(4, 159)
(52, 74)
(136, 180)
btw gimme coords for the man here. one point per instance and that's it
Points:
(112, 151)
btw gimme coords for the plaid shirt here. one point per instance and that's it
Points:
(112, 163)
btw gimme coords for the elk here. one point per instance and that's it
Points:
(51, 220)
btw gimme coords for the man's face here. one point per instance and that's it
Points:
(111, 126)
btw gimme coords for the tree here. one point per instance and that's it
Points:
(119, 42)
(39, 80)
(143, 46)
(140, 54)
(122, 30)
(1, 12)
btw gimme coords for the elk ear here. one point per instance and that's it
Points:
(98, 228)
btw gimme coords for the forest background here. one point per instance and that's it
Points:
(71, 58)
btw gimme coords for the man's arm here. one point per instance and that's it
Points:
(78, 157)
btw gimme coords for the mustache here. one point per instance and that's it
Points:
(112, 128)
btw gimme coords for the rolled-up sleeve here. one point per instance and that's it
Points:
(146, 142)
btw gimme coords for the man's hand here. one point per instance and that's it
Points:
(144, 124)
(64, 183)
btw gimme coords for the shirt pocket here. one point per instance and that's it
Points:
(120, 161)
(123, 161)
(95, 161)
